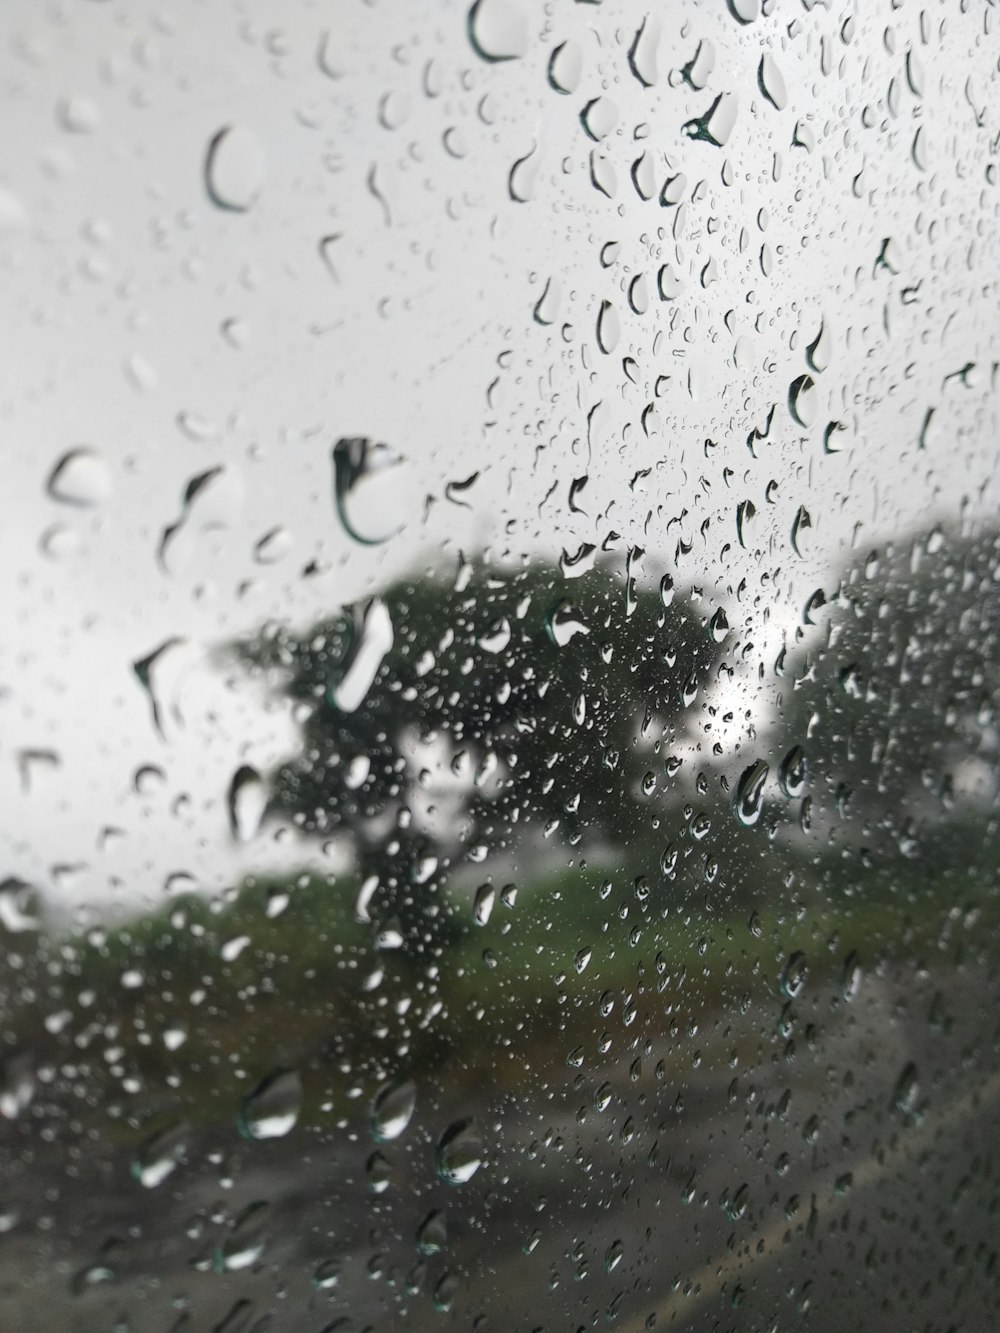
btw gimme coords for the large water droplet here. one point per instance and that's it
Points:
(459, 1153)
(497, 637)
(158, 1157)
(793, 977)
(498, 30)
(234, 169)
(802, 522)
(17, 1085)
(245, 1243)
(368, 483)
(718, 122)
(271, 1110)
(699, 69)
(772, 82)
(432, 1234)
(210, 502)
(749, 799)
(599, 117)
(247, 802)
(19, 906)
(564, 623)
(608, 327)
(524, 175)
(745, 10)
(81, 477)
(392, 1109)
(719, 625)
(482, 907)
(371, 638)
(643, 51)
(580, 562)
(792, 772)
(566, 67)
(851, 978)
(802, 400)
(547, 305)
(161, 675)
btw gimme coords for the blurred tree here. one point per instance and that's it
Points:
(513, 706)
(889, 724)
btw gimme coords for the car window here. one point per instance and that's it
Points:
(499, 698)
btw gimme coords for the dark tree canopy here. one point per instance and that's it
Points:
(558, 702)
(900, 738)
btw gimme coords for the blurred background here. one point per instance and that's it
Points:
(498, 713)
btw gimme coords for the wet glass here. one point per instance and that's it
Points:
(499, 742)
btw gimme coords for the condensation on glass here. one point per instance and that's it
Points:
(499, 692)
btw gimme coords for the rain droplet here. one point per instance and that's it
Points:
(432, 1234)
(745, 10)
(906, 1091)
(749, 799)
(603, 176)
(371, 638)
(211, 501)
(247, 802)
(234, 169)
(392, 1109)
(772, 82)
(19, 906)
(644, 177)
(158, 1157)
(608, 327)
(718, 122)
(79, 115)
(327, 1275)
(272, 1109)
(17, 1086)
(800, 523)
(245, 1243)
(368, 489)
(579, 563)
(482, 908)
(564, 623)
(851, 978)
(599, 117)
(793, 976)
(273, 546)
(459, 1153)
(698, 70)
(673, 190)
(792, 772)
(802, 400)
(915, 75)
(566, 67)
(643, 52)
(547, 305)
(498, 30)
(161, 675)
(524, 175)
(831, 444)
(81, 477)
(497, 637)
(719, 625)
(819, 350)
(378, 1168)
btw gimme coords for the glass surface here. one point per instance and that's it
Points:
(499, 692)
